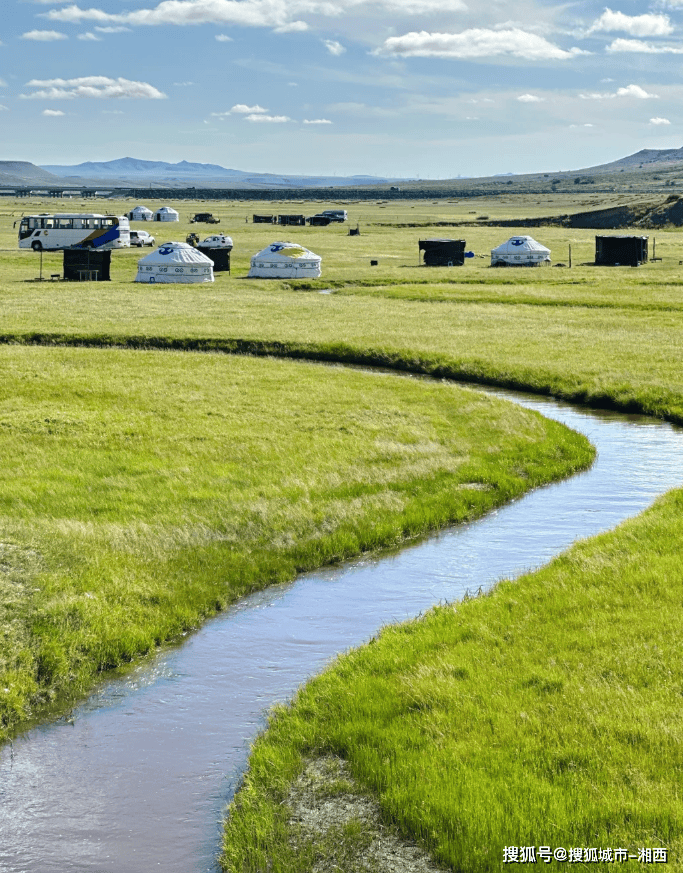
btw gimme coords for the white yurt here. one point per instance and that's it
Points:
(140, 213)
(520, 251)
(175, 262)
(285, 260)
(166, 213)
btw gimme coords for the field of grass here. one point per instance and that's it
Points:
(143, 490)
(557, 764)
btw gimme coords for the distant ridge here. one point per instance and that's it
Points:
(138, 171)
(645, 158)
(23, 173)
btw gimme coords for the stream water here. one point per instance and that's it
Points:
(138, 778)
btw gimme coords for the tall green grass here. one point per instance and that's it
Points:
(144, 490)
(544, 713)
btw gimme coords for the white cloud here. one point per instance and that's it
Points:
(530, 98)
(629, 91)
(112, 112)
(183, 84)
(292, 27)
(44, 35)
(660, 121)
(317, 121)
(223, 37)
(424, 7)
(636, 91)
(255, 13)
(636, 25)
(89, 37)
(243, 109)
(476, 43)
(117, 29)
(639, 45)
(100, 87)
(269, 119)
(4, 108)
(278, 14)
(3, 84)
(53, 113)
(334, 47)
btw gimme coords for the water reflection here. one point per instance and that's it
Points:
(138, 781)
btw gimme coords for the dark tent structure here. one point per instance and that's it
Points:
(613, 251)
(443, 252)
(299, 220)
(87, 265)
(264, 219)
(219, 256)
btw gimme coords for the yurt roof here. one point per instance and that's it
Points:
(168, 209)
(175, 253)
(286, 251)
(518, 244)
(141, 209)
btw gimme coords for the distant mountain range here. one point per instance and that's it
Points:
(136, 171)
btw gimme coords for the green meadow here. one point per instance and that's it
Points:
(151, 479)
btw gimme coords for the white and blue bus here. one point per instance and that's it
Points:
(65, 230)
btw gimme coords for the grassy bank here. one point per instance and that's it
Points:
(544, 713)
(142, 491)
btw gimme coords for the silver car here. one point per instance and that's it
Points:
(141, 238)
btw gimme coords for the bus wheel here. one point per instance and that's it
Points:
(37, 245)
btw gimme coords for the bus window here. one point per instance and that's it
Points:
(107, 222)
(48, 222)
(64, 223)
(78, 223)
(34, 223)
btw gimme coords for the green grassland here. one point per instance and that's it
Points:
(144, 490)
(536, 697)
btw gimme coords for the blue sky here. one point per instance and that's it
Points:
(405, 88)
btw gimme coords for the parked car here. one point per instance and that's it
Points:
(141, 238)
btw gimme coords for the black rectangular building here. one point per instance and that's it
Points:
(613, 251)
(87, 265)
(299, 220)
(219, 256)
(443, 252)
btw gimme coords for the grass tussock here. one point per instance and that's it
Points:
(145, 490)
(544, 713)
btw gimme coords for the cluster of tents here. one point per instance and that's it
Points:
(164, 213)
(179, 262)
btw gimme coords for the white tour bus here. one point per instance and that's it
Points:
(73, 230)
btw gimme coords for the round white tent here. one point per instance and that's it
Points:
(166, 213)
(177, 263)
(285, 260)
(520, 251)
(140, 213)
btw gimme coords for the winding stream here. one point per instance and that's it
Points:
(138, 779)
